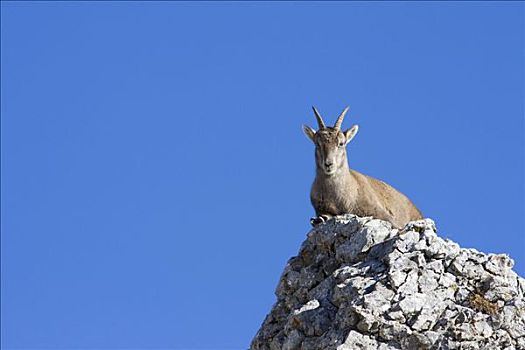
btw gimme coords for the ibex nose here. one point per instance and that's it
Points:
(328, 163)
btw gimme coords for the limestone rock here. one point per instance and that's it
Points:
(358, 283)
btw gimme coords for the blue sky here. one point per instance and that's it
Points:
(155, 178)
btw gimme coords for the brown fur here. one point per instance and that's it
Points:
(338, 190)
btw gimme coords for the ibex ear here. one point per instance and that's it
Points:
(308, 131)
(350, 133)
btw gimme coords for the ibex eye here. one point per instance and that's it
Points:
(341, 144)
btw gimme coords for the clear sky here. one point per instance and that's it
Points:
(155, 178)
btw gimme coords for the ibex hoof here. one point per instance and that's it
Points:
(318, 220)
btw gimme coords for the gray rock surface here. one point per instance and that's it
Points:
(357, 283)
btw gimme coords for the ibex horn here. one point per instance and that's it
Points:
(319, 119)
(339, 120)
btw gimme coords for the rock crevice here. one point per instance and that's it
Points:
(358, 283)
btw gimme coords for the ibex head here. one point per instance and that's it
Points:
(330, 143)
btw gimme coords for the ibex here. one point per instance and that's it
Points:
(337, 189)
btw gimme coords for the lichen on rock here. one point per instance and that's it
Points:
(358, 283)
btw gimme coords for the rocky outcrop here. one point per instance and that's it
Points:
(358, 283)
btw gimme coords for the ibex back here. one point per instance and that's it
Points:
(337, 189)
